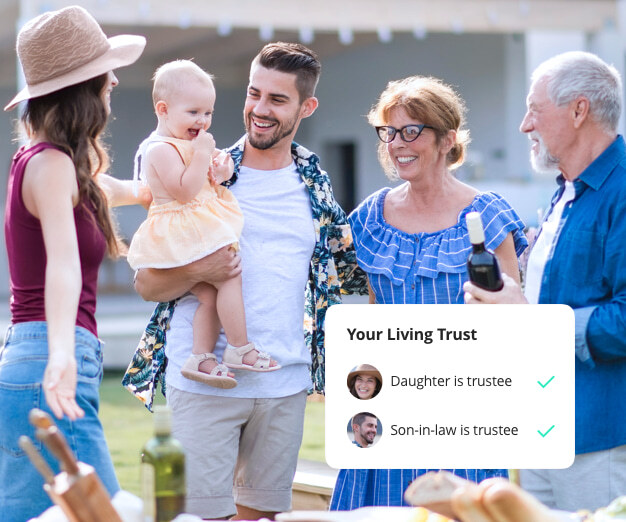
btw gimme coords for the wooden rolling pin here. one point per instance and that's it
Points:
(77, 489)
(42, 466)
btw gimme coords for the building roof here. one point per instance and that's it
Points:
(233, 31)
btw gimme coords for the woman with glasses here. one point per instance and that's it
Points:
(412, 240)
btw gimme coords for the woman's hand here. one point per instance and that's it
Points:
(59, 385)
(121, 192)
(144, 196)
(511, 293)
(222, 169)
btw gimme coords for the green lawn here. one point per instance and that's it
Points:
(128, 424)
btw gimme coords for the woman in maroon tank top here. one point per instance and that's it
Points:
(57, 229)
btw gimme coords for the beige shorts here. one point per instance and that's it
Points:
(238, 451)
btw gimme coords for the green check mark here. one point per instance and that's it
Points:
(547, 382)
(544, 434)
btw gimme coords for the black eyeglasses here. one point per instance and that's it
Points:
(408, 133)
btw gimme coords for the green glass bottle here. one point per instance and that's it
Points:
(162, 471)
(482, 264)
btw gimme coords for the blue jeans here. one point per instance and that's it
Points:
(23, 360)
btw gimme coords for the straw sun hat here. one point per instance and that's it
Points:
(65, 47)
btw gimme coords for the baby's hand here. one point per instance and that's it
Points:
(223, 167)
(203, 143)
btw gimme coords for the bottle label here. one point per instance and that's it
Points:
(147, 492)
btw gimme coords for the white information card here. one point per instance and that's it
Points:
(482, 386)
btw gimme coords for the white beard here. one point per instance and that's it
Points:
(542, 161)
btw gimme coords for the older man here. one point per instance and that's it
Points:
(579, 259)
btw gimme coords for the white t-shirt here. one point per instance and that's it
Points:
(541, 250)
(277, 243)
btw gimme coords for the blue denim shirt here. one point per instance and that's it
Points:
(587, 271)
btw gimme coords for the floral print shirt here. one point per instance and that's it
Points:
(333, 271)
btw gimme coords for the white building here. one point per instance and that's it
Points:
(486, 48)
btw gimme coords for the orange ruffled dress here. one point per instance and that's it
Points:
(176, 234)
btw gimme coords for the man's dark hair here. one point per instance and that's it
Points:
(359, 418)
(295, 59)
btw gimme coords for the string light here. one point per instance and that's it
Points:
(457, 26)
(384, 34)
(184, 19)
(419, 32)
(306, 35)
(224, 28)
(266, 32)
(345, 35)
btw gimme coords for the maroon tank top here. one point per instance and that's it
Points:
(27, 254)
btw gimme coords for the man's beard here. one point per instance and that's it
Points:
(265, 142)
(369, 438)
(542, 161)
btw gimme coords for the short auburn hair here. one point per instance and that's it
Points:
(430, 101)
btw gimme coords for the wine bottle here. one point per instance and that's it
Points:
(482, 264)
(162, 471)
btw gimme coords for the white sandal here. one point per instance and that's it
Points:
(233, 358)
(218, 377)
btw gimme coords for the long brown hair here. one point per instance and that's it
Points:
(73, 119)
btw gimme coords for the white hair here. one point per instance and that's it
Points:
(579, 73)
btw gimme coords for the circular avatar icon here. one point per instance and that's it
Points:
(364, 429)
(364, 381)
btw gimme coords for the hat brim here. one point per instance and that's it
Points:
(124, 49)
(371, 373)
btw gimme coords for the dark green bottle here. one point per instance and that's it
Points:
(482, 264)
(162, 471)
